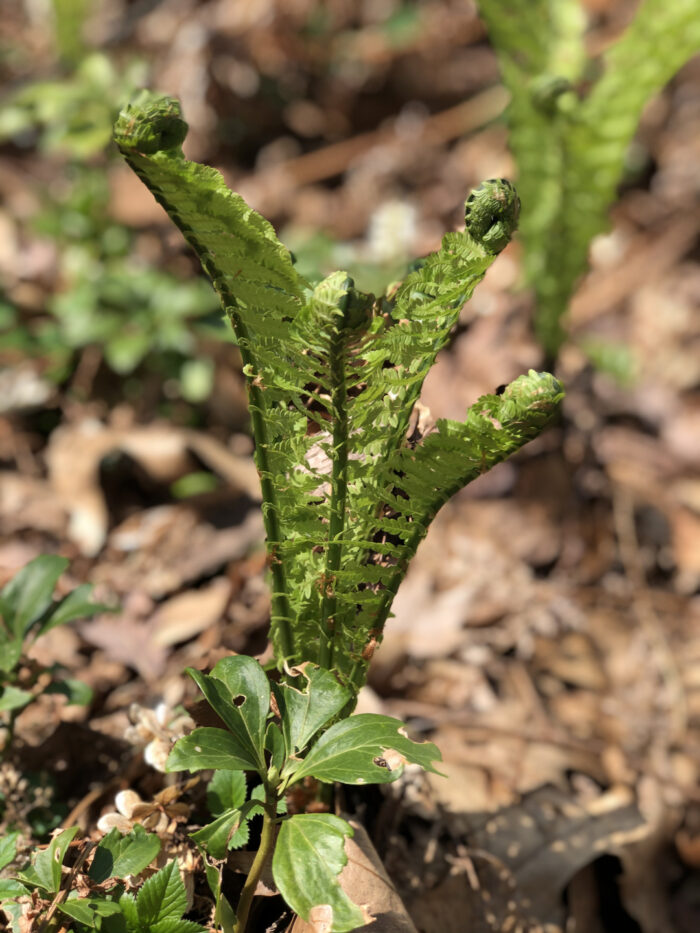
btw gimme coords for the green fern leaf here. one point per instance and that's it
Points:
(333, 375)
(570, 150)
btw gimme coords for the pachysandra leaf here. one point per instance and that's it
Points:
(307, 704)
(366, 749)
(309, 856)
(209, 747)
(239, 691)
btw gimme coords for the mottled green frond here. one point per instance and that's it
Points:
(333, 375)
(569, 135)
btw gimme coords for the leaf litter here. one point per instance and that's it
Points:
(546, 637)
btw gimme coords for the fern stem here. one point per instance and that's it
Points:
(339, 489)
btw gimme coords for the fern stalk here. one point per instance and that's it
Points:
(339, 488)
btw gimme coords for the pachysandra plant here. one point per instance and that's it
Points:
(332, 375)
(570, 134)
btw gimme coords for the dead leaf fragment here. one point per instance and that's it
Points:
(190, 613)
(76, 451)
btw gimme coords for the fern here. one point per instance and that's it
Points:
(570, 149)
(333, 375)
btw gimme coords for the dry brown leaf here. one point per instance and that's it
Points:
(27, 502)
(75, 452)
(188, 614)
(547, 837)
(129, 641)
(170, 546)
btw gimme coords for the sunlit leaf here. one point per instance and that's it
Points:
(366, 749)
(308, 858)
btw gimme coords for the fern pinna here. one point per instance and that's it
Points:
(333, 375)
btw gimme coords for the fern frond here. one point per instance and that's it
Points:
(570, 152)
(419, 481)
(332, 377)
(660, 39)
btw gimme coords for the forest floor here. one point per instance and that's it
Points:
(547, 637)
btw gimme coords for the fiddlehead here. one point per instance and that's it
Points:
(491, 214)
(150, 123)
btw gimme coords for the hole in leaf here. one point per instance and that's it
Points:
(239, 700)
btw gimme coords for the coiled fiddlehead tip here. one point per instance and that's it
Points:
(150, 123)
(491, 213)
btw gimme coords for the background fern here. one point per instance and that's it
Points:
(569, 141)
(333, 375)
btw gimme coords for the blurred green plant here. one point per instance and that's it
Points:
(571, 121)
(28, 611)
(72, 115)
(134, 315)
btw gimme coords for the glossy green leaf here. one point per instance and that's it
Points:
(118, 856)
(366, 749)
(307, 705)
(308, 858)
(209, 747)
(28, 594)
(239, 691)
(48, 862)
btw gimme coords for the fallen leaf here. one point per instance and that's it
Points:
(75, 452)
(188, 614)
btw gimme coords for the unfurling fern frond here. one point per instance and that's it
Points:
(333, 375)
(570, 149)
